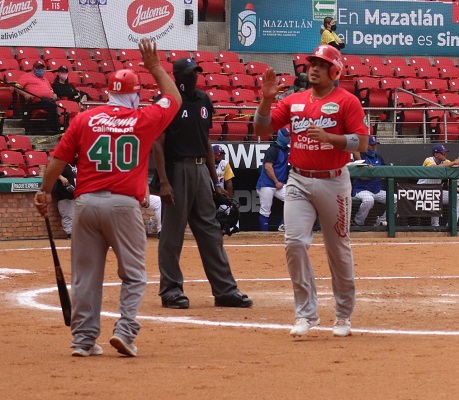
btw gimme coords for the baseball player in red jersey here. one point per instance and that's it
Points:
(113, 144)
(327, 123)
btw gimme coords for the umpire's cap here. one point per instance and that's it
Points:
(218, 149)
(185, 66)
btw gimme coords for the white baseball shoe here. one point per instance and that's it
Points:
(302, 326)
(342, 327)
(95, 350)
(128, 349)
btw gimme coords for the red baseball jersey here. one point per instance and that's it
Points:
(338, 113)
(113, 145)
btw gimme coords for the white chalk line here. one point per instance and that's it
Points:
(29, 299)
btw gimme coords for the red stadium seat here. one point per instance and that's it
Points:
(402, 99)
(233, 68)
(216, 132)
(28, 52)
(256, 67)
(382, 70)
(242, 80)
(300, 64)
(441, 62)
(217, 95)
(448, 72)
(26, 64)
(130, 54)
(210, 67)
(13, 75)
(6, 53)
(419, 62)
(453, 85)
(227, 56)
(373, 61)
(79, 53)
(414, 84)
(8, 63)
(12, 157)
(428, 72)
(148, 82)
(54, 63)
(104, 54)
(201, 83)
(20, 142)
(287, 80)
(176, 54)
(395, 62)
(3, 143)
(351, 59)
(437, 85)
(12, 172)
(54, 52)
(94, 79)
(202, 55)
(225, 109)
(218, 81)
(108, 66)
(168, 66)
(449, 99)
(35, 158)
(238, 128)
(405, 71)
(86, 66)
(358, 70)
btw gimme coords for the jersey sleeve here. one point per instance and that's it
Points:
(428, 162)
(355, 118)
(229, 174)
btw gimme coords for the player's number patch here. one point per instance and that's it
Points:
(126, 155)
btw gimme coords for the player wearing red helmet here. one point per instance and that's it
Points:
(113, 144)
(326, 124)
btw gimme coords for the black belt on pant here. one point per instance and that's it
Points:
(318, 174)
(195, 160)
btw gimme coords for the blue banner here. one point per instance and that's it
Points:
(366, 27)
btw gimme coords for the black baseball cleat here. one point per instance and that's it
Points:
(234, 300)
(178, 301)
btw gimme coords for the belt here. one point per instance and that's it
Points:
(318, 174)
(195, 160)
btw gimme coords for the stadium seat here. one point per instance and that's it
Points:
(405, 71)
(233, 68)
(395, 62)
(176, 54)
(68, 109)
(239, 128)
(448, 72)
(108, 66)
(225, 109)
(145, 95)
(86, 66)
(453, 85)
(373, 61)
(419, 62)
(6, 53)
(33, 172)
(441, 62)
(357, 70)
(382, 70)
(148, 82)
(300, 64)
(426, 97)
(203, 55)
(287, 80)
(218, 81)
(104, 54)
(218, 95)
(79, 53)
(12, 157)
(12, 172)
(132, 54)
(351, 59)
(227, 56)
(437, 85)
(449, 99)
(54, 52)
(74, 78)
(201, 82)
(209, 67)
(247, 96)
(402, 99)
(256, 67)
(414, 84)
(8, 63)
(6, 103)
(348, 84)
(168, 66)
(94, 93)
(428, 72)
(12, 76)
(94, 79)
(3, 143)
(216, 132)
(54, 63)
(50, 75)
(35, 158)
(242, 81)
(26, 64)
(28, 52)
(20, 142)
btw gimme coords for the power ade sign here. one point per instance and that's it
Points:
(366, 27)
(419, 200)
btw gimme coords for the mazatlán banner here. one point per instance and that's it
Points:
(366, 27)
(94, 23)
(419, 200)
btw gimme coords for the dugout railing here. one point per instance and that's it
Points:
(391, 175)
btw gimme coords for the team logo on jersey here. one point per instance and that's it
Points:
(204, 113)
(330, 108)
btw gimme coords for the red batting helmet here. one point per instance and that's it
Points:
(332, 55)
(124, 81)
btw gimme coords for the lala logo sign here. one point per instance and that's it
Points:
(146, 16)
(16, 12)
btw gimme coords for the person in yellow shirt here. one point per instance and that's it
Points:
(329, 36)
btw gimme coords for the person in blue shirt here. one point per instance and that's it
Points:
(273, 177)
(369, 190)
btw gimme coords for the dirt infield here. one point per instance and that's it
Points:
(404, 343)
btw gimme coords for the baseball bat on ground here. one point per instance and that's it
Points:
(64, 296)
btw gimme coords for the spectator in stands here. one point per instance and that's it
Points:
(328, 35)
(63, 192)
(273, 177)
(64, 90)
(38, 95)
(439, 160)
(300, 84)
(369, 190)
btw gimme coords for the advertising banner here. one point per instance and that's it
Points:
(366, 27)
(419, 200)
(97, 23)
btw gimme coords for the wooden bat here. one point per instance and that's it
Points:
(64, 296)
